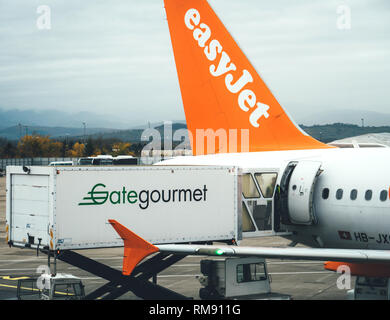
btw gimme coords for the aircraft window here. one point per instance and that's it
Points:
(251, 272)
(325, 193)
(368, 195)
(353, 194)
(267, 183)
(339, 194)
(383, 195)
(247, 224)
(249, 187)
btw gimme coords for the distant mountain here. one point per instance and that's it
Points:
(15, 132)
(130, 135)
(331, 132)
(134, 135)
(350, 116)
(54, 118)
(159, 124)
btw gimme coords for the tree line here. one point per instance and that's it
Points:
(37, 146)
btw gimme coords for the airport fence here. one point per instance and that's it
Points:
(46, 161)
(32, 161)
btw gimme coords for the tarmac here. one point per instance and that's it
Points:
(302, 280)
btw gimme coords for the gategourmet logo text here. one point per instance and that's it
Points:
(99, 195)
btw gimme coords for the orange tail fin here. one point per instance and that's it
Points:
(221, 91)
(136, 248)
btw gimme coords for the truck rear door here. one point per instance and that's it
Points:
(29, 205)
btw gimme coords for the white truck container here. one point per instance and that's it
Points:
(64, 208)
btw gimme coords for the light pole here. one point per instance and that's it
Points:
(85, 127)
(20, 131)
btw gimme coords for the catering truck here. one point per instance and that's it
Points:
(68, 208)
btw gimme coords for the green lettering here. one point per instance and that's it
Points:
(124, 195)
(132, 197)
(95, 197)
(118, 197)
(99, 197)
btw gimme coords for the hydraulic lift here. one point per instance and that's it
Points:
(119, 284)
(142, 261)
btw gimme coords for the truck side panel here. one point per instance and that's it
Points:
(162, 205)
(70, 207)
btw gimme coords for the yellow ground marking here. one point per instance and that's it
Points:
(32, 289)
(14, 279)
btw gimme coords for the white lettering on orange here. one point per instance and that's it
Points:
(240, 83)
(246, 97)
(261, 110)
(193, 16)
(202, 34)
(212, 49)
(224, 66)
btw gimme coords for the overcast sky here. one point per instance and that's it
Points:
(115, 57)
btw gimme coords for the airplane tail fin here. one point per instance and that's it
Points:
(136, 248)
(223, 95)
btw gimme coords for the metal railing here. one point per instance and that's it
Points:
(32, 161)
(46, 161)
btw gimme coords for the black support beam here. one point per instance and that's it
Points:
(119, 284)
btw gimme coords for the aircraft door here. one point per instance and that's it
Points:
(297, 192)
(259, 217)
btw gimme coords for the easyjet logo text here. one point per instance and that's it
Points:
(213, 49)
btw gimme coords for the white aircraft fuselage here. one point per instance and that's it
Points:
(356, 212)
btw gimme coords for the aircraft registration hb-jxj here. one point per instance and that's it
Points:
(334, 200)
